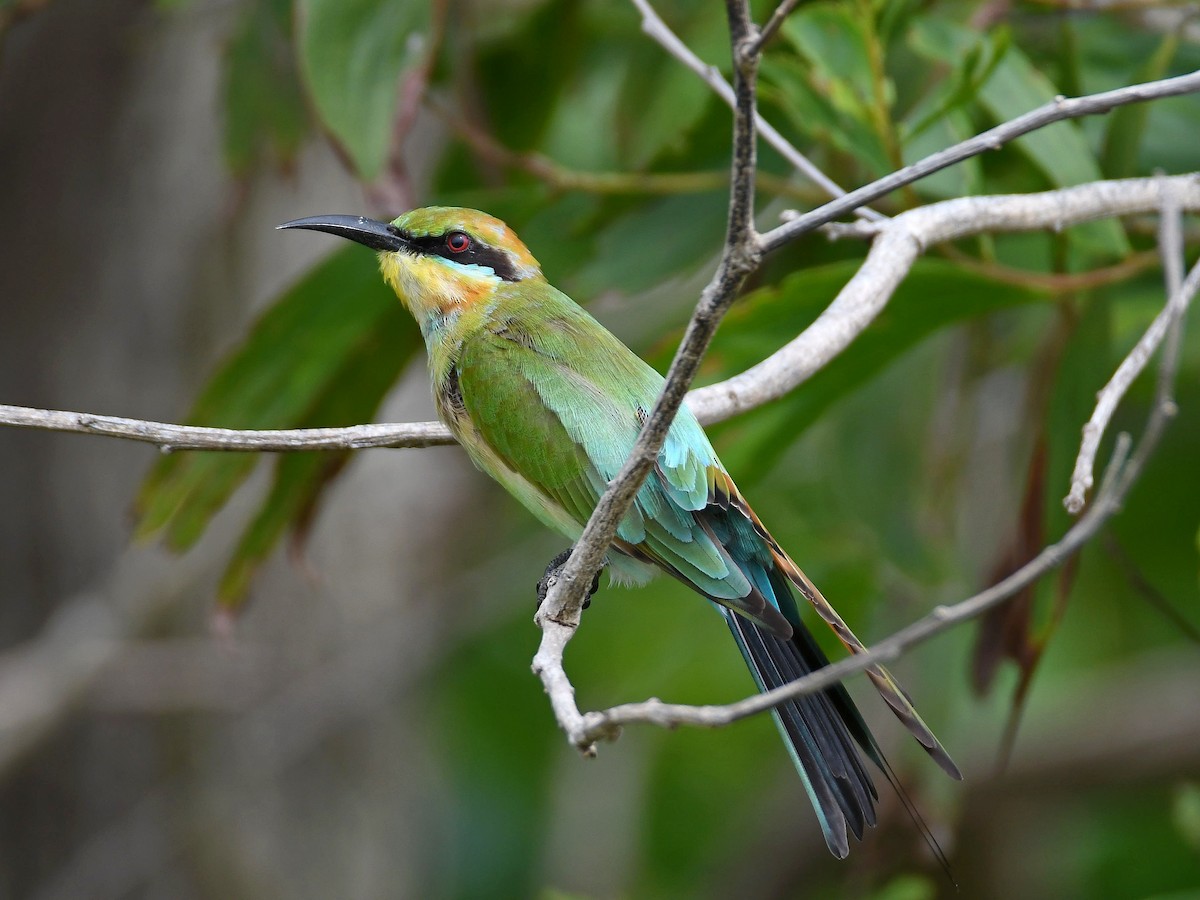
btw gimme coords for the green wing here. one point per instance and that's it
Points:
(559, 401)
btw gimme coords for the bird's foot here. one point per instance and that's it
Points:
(554, 569)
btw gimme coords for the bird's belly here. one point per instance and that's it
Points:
(543, 507)
(623, 569)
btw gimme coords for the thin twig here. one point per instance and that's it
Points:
(196, 437)
(782, 11)
(993, 139)
(1164, 408)
(1171, 247)
(1054, 282)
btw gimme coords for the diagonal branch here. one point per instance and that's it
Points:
(1171, 248)
(897, 245)
(899, 242)
(993, 139)
(606, 724)
(1122, 473)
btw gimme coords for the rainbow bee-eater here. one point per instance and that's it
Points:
(549, 403)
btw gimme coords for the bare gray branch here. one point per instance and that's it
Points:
(196, 437)
(993, 139)
(1171, 246)
(898, 244)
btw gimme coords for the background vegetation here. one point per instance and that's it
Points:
(374, 730)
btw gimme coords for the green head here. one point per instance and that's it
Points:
(438, 257)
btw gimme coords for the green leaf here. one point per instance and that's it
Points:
(1127, 124)
(833, 42)
(280, 377)
(581, 134)
(662, 120)
(518, 93)
(1185, 813)
(786, 82)
(265, 116)
(935, 295)
(637, 251)
(893, 18)
(835, 85)
(961, 87)
(1059, 150)
(352, 53)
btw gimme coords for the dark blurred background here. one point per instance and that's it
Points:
(371, 727)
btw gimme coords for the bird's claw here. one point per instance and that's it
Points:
(553, 570)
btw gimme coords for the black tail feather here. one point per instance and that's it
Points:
(817, 732)
(827, 738)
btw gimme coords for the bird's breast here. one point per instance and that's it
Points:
(433, 290)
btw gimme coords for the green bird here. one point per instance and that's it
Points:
(549, 403)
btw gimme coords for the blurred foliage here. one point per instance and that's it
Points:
(352, 53)
(307, 362)
(265, 117)
(895, 474)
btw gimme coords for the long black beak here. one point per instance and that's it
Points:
(376, 235)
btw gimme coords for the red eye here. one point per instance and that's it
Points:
(457, 242)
